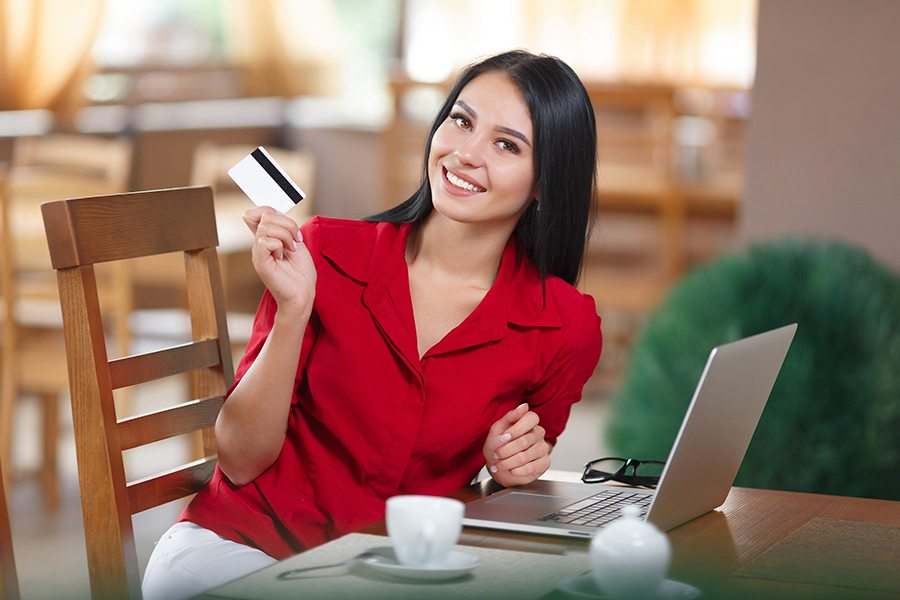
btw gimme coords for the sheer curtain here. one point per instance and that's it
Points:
(285, 47)
(689, 41)
(681, 41)
(45, 48)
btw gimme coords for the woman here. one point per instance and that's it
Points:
(402, 353)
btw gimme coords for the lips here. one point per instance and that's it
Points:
(459, 184)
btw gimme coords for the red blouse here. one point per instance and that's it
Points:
(369, 419)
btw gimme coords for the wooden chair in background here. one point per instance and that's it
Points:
(82, 233)
(65, 166)
(33, 359)
(84, 158)
(9, 582)
(635, 125)
(646, 236)
(665, 153)
(59, 166)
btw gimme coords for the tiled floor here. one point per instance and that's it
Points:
(49, 548)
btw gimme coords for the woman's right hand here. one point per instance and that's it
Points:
(281, 259)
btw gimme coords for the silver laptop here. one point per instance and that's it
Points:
(698, 474)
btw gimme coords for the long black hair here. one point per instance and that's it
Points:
(553, 231)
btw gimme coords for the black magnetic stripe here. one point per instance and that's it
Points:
(276, 175)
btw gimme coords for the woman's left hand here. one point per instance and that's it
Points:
(515, 450)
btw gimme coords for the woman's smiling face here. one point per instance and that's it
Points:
(481, 161)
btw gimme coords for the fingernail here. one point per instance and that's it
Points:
(525, 404)
(293, 245)
(299, 236)
(493, 468)
(505, 438)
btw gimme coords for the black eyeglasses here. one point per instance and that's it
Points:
(643, 473)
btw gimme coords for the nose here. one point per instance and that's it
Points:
(471, 151)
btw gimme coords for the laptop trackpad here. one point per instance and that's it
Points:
(522, 506)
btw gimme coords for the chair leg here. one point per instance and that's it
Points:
(50, 436)
(7, 411)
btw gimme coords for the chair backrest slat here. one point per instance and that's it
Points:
(85, 231)
(168, 422)
(171, 485)
(104, 159)
(98, 229)
(206, 299)
(141, 368)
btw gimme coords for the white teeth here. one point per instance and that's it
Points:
(462, 183)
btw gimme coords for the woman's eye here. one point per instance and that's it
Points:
(507, 145)
(461, 121)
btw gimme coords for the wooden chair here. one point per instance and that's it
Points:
(32, 356)
(89, 157)
(9, 583)
(635, 124)
(64, 166)
(81, 233)
(32, 360)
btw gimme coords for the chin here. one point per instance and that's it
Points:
(449, 209)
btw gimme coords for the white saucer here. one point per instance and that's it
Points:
(583, 586)
(385, 561)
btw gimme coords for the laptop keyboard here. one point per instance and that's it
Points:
(600, 509)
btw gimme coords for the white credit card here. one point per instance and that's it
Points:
(266, 183)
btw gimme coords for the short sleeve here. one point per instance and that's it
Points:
(565, 375)
(265, 320)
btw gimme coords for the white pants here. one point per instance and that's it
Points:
(189, 560)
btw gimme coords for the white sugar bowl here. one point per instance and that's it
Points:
(630, 557)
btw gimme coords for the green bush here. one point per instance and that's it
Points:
(832, 423)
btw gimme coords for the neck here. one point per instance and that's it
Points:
(466, 252)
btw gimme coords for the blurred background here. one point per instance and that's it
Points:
(724, 126)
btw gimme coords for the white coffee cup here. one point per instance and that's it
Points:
(423, 529)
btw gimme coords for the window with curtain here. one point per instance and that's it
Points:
(151, 50)
(709, 42)
(161, 32)
(45, 51)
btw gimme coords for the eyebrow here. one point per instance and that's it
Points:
(511, 132)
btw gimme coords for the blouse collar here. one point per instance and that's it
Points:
(374, 255)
